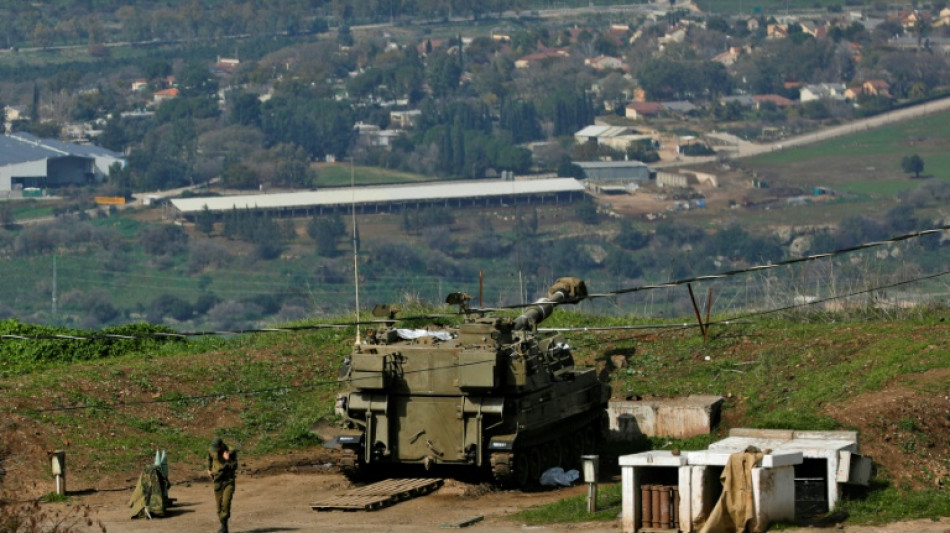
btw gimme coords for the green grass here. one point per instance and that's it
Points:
(927, 136)
(574, 509)
(338, 175)
(880, 189)
(883, 503)
(27, 209)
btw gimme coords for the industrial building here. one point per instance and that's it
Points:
(459, 193)
(617, 172)
(30, 163)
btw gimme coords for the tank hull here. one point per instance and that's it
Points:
(487, 396)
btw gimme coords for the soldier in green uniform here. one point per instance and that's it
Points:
(222, 467)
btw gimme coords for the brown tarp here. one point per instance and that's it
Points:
(735, 510)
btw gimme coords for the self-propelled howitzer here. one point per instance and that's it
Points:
(489, 394)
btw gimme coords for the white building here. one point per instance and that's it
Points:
(30, 162)
(823, 91)
(800, 474)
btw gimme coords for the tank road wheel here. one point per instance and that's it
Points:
(521, 473)
(534, 465)
(553, 455)
(352, 464)
(501, 467)
(577, 447)
(590, 441)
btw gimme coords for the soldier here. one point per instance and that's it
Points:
(222, 467)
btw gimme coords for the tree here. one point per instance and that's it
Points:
(240, 176)
(586, 212)
(7, 217)
(195, 79)
(163, 240)
(630, 238)
(246, 110)
(326, 231)
(912, 164)
(204, 221)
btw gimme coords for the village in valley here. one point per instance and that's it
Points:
(464, 264)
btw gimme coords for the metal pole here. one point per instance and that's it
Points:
(699, 318)
(356, 265)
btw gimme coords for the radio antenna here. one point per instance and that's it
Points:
(356, 265)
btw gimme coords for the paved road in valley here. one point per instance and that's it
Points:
(738, 148)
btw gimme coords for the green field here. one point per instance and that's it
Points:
(340, 175)
(865, 167)
(774, 7)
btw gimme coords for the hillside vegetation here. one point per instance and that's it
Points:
(886, 377)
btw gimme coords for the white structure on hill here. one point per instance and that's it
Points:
(30, 162)
(456, 193)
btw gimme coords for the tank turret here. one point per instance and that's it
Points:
(489, 394)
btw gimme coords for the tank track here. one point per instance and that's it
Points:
(351, 464)
(523, 466)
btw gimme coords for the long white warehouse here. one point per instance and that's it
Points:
(385, 198)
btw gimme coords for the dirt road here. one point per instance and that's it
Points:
(279, 502)
(739, 148)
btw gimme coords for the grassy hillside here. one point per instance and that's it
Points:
(868, 157)
(886, 378)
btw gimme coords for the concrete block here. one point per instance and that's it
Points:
(851, 436)
(674, 417)
(773, 490)
(783, 434)
(708, 458)
(853, 468)
(782, 458)
(653, 458)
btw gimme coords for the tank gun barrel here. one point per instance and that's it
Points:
(564, 290)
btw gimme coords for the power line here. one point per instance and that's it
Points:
(318, 384)
(607, 294)
(755, 268)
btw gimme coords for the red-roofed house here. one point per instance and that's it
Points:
(731, 55)
(868, 88)
(776, 31)
(779, 101)
(877, 88)
(165, 94)
(639, 110)
(226, 64)
(428, 45)
(910, 19)
(618, 33)
(537, 57)
(815, 30)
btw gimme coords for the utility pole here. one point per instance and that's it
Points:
(54, 286)
(356, 265)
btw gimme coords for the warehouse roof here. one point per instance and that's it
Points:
(610, 164)
(443, 190)
(23, 147)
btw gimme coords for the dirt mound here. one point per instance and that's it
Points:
(905, 428)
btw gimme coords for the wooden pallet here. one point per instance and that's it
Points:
(377, 495)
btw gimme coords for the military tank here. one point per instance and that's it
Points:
(489, 394)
